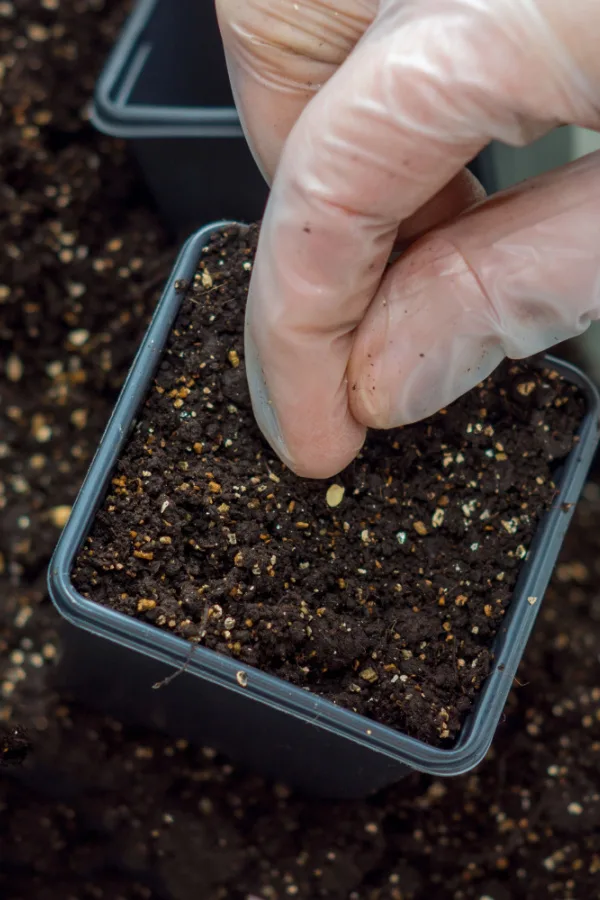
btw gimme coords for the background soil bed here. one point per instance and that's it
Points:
(381, 589)
(100, 810)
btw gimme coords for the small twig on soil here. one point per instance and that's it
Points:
(187, 660)
(182, 668)
(208, 291)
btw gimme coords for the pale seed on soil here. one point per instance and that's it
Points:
(335, 495)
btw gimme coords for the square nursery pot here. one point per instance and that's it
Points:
(165, 89)
(113, 660)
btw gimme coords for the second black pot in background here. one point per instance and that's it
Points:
(165, 89)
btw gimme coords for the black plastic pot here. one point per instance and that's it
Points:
(114, 660)
(483, 168)
(165, 89)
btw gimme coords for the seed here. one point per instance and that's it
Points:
(241, 678)
(575, 809)
(369, 675)
(207, 281)
(214, 487)
(488, 610)
(145, 603)
(532, 600)
(233, 358)
(60, 515)
(198, 447)
(420, 528)
(335, 495)
(461, 599)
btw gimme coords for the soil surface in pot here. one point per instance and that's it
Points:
(381, 589)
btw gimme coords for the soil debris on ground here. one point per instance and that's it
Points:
(103, 811)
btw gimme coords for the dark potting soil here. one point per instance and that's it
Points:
(15, 744)
(101, 811)
(381, 589)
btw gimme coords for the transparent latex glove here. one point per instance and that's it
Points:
(366, 113)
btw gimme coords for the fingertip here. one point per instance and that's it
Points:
(314, 440)
(326, 465)
(318, 455)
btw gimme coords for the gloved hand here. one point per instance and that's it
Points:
(364, 112)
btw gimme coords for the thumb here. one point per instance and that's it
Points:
(514, 276)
